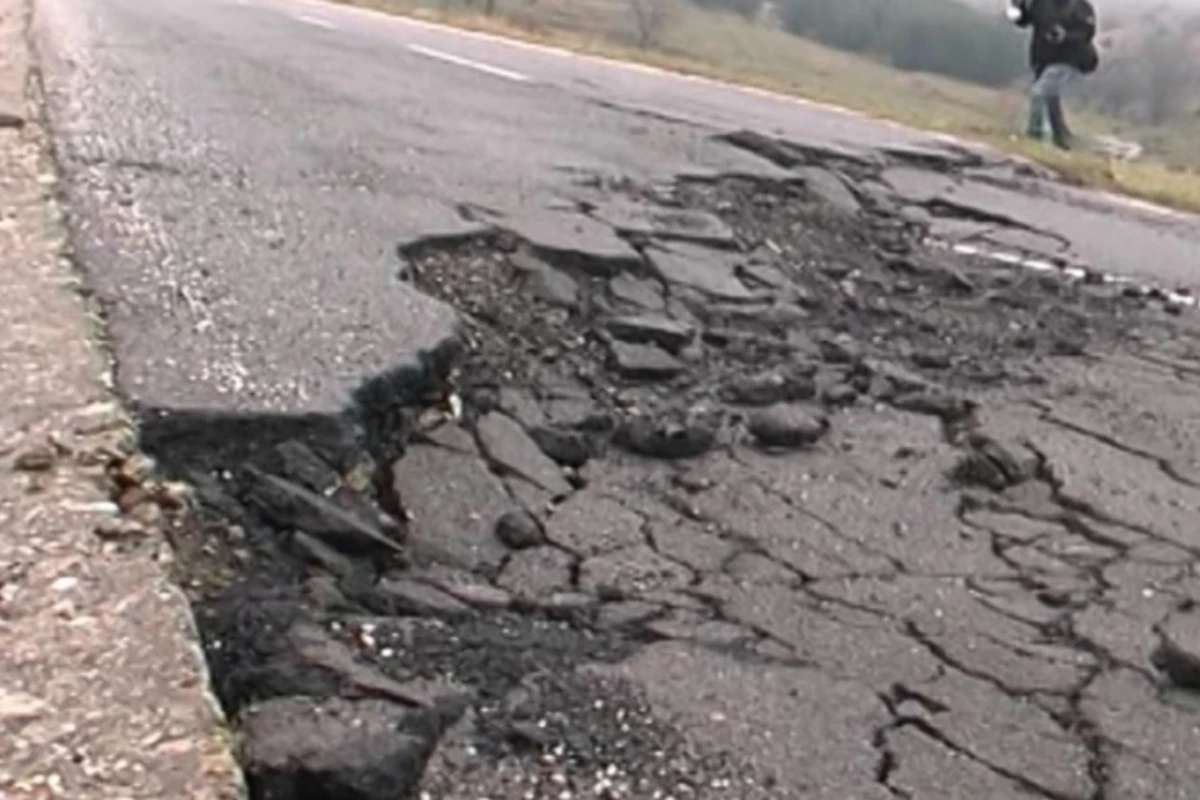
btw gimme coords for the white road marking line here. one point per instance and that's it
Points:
(316, 22)
(450, 58)
(1041, 265)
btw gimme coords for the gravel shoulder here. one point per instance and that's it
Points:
(102, 692)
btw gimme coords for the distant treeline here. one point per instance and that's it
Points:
(940, 36)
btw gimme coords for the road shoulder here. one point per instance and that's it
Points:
(102, 691)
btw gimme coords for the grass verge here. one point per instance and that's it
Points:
(725, 47)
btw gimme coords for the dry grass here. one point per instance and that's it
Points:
(726, 47)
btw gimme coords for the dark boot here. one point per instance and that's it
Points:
(1059, 131)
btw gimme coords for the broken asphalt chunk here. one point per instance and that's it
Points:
(643, 362)
(506, 443)
(711, 272)
(667, 333)
(787, 426)
(770, 387)
(331, 747)
(288, 505)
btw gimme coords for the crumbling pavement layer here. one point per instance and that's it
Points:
(756, 492)
(102, 687)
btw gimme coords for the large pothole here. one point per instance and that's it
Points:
(389, 610)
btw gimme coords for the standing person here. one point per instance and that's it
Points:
(1061, 49)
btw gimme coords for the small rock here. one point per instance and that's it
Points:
(18, 709)
(136, 470)
(769, 388)
(567, 447)
(120, 530)
(946, 406)
(653, 329)
(840, 394)
(520, 530)
(994, 465)
(643, 362)
(1178, 651)
(673, 435)
(149, 514)
(10, 120)
(38, 458)
(565, 603)
(787, 426)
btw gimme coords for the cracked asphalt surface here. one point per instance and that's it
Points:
(769, 482)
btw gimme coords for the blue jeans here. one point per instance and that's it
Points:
(1045, 103)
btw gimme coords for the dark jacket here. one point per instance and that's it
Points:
(1077, 21)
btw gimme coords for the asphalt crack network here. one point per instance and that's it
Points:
(719, 496)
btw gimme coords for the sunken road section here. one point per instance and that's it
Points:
(752, 494)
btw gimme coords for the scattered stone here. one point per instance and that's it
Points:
(454, 503)
(786, 426)
(769, 388)
(643, 362)
(121, 530)
(993, 465)
(10, 120)
(520, 530)
(840, 394)
(568, 447)
(408, 596)
(671, 435)
(299, 463)
(38, 458)
(630, 572)
(590, 524)
(545, 282)
(537, 572)
(1178, 651)
(655, 329)
(288, 505)
(948, 407)
(709, 272)
(645, 293)
(507, 444)
(19, 708)
(335, 748)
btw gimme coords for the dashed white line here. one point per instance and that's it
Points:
(479, 66)
(316, 22)
(1074, 273)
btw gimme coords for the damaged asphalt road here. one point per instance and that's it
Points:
(761, 489)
